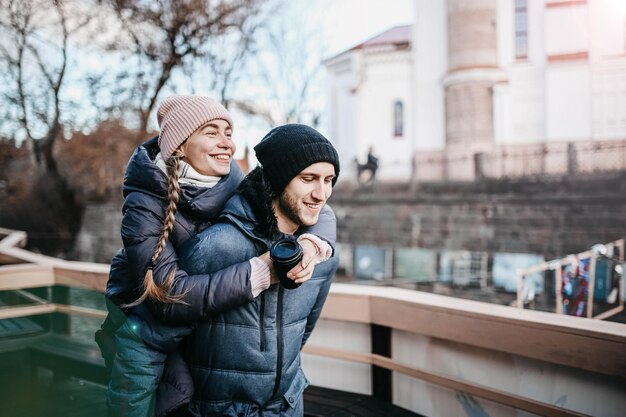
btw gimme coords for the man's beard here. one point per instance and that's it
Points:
(289, 208)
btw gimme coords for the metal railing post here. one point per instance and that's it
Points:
(381, 377)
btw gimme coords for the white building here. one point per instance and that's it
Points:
(369, 88)
(486, 87)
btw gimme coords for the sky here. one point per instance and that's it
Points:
(327, 26)
(346, 23)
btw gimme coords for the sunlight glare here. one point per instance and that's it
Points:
(618, 6)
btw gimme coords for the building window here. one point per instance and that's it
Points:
(398, 119)
(521, 29)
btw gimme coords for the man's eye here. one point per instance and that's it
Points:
(328, 180)
(307, 179)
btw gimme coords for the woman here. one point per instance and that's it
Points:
(175, 186)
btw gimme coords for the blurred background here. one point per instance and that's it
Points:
(482, 142)
(81, 81)
(476, 137)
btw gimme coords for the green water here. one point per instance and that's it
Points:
(23, 395)
(28, 393)
(83, 328)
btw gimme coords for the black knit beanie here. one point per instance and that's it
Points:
(286, 150)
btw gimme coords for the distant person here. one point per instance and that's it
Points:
(175, 186)
(246, 361)
(366, 173)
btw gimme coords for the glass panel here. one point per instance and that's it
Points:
(369, 262)
(505, 266)
(463, 268)
(415, 264)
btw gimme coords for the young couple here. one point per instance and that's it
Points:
(197, 323)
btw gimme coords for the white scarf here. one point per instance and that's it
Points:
(188, 175)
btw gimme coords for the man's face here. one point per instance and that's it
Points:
(302, 200)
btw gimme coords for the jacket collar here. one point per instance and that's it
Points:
(143, 175)
(251, 211)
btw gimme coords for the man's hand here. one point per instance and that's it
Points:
(304, 270)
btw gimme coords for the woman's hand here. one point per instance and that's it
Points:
(266, 258)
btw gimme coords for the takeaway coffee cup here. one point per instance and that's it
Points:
(285, 253)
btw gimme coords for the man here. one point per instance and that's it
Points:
(246, 361)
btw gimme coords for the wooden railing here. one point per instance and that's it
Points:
(583, 344)
(591, 348)
(558, 265)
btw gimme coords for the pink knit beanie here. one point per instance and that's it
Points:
(180, 115)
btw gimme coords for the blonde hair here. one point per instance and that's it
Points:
(151, 289)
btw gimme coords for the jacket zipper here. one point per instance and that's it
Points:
(262, 321)
(279, 339)
(262, 248)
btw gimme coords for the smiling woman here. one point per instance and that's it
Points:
(210, 149)
(196, 147)
(191, 163)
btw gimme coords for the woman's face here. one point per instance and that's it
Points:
(210, 149)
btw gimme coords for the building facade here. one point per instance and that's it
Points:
(487, 88)
(370, 101)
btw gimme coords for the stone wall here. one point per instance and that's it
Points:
(99, 237)
(549, 217)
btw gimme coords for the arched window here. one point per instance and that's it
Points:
(398, 119)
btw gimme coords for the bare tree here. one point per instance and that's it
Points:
(227, 60)
(221, 66)
(35, 38)
(171, 34)
(285, 76)
(93, 177)
(34, 57)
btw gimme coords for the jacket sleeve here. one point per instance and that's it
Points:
(210, 253)
(203, 294)
(326, 226)
(328, 269)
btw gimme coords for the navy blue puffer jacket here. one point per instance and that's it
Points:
(145, 192)
(246, 361)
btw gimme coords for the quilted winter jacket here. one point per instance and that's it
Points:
(145, 191)
(246, 361)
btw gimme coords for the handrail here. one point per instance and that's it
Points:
(588, 344)
(10, 312)
(558, 264)
(482, 391)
